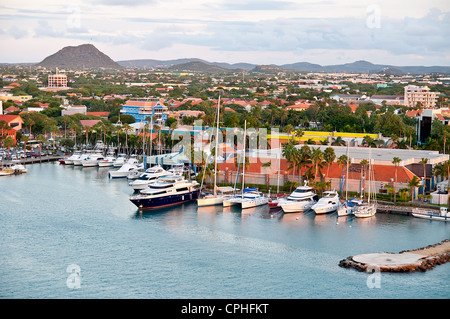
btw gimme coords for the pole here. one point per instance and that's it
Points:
(217, 148)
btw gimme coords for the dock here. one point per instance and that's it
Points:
(32, 160)
(420, 259)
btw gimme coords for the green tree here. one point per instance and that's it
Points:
(395, 161)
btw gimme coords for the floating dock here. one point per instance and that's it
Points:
(420, 259)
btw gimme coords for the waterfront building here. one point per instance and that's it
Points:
(144, 109)
(425, 119)
(420, 94)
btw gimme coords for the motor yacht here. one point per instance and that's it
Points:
(71, 158)
(166, 191)
(300, 200)
(92, 160)
(108, 161)
(147, 177)
(327, 204)
(120, 160)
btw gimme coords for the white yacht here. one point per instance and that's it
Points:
(120, 160)
(71, 158)
(107, 161)
(128, 167)
(92, 160)
(147, 177)
(348, 207)
(301, 200)
(222, 193)
(166, 191)
(327, 204)
(79, 160)
(368, 208)
(250, 197)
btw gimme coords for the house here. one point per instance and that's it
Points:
(15, 122)
(11, 109)
(346, 98)
(143, 109)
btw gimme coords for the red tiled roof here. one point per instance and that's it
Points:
(89, 123)
(98, 113)
(9, 118)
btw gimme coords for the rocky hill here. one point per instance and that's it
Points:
(197, 66)
(85, 56)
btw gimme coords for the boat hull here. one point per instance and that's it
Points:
(105, 164)
(295, 207)
(431, 217)
(365, 211)
(209, 201)
(147, 203)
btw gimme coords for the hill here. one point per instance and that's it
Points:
(197, 66)
(85, 56)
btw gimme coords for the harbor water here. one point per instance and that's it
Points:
(71, 232)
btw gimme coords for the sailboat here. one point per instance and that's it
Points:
(250, 197)
(369, 208)
(347, 207)
(215, 198)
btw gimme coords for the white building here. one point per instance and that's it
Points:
(420, 94)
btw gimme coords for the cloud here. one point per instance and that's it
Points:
(17, 33)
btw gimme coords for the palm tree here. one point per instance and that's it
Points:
(395, 161)
(287, 151)
(317, 161)
(338, 141)
(413, 183)
(329, 156)
(424, 161)
(304, 158)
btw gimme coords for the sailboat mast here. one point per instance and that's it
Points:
(217, 147)
(370, 173)
(243, 165)
(346, 177)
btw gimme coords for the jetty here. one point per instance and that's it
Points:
(420, 259)
(32, 160)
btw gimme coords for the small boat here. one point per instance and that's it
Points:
(348, 207)
(120, 160)
(166, 191)
(17, 167)
(301, 200)
(78, 161)
(92, 160)
(71, 158)
(442, 215)
(108, 161)
(327, 204)
(5, 171)
(128, 167)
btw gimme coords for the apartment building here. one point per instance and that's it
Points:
(420, 94)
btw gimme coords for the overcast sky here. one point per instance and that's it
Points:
(257, 31)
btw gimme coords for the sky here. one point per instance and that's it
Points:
(256, 31)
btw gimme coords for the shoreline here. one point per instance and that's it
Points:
(420, 259)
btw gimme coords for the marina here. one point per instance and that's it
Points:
(78, 215)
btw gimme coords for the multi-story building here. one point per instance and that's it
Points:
(420, 94)
(57, 80)
(146, 110)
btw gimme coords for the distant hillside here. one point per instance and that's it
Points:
(354, 67)
(267, 68)
(197, 66)
(85, 56)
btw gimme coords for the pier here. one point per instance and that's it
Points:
(32, 160)
(420, 259)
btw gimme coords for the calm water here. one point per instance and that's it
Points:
(56, 216)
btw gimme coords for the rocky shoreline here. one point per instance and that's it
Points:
(421, 259)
